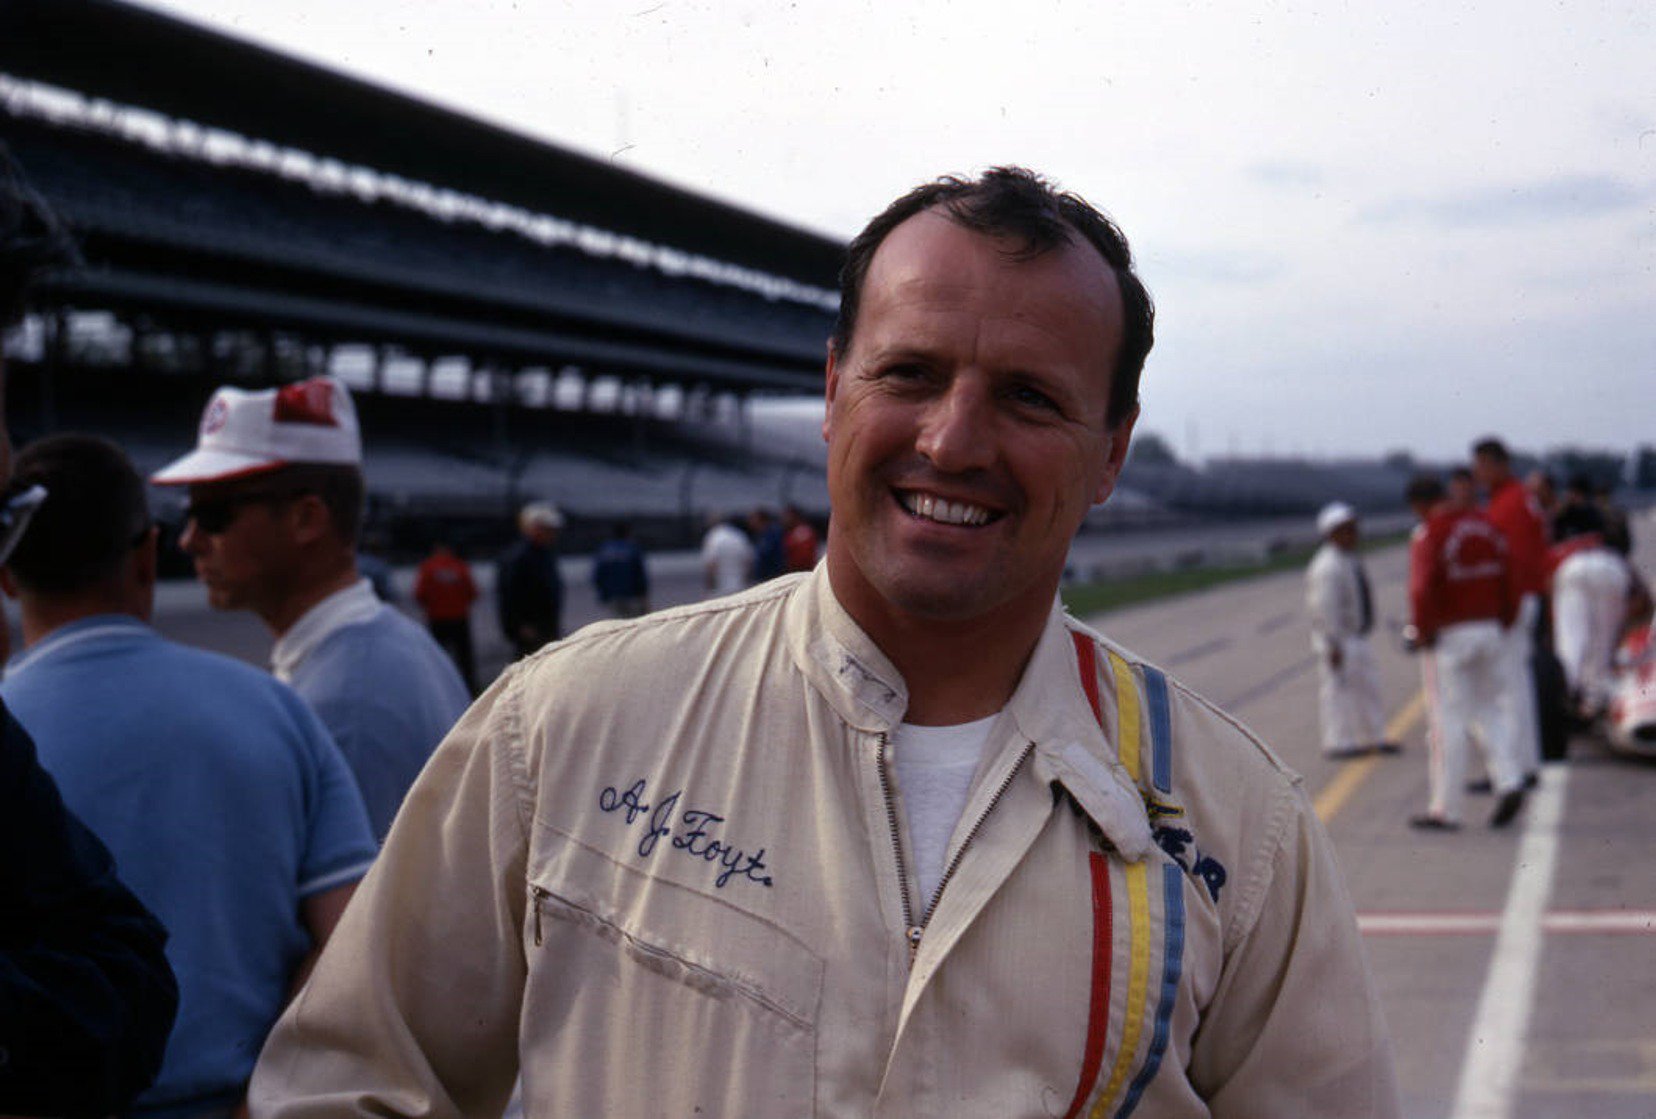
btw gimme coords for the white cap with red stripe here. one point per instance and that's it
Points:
(244, 433)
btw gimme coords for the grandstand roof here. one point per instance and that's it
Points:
(135, 56)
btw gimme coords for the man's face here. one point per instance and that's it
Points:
(1345, 536)
(965, 425)
(242, 542)
(1463, 492)
(1488, 470)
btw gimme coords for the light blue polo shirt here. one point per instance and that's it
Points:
(225, 804)
(383, 687)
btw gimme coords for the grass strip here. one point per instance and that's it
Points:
(1083, 599)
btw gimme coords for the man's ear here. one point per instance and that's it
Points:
(831, 386)
(1115, 456)
(308, 518)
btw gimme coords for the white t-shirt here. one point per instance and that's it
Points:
(934, 775)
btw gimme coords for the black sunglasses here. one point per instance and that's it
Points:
(214, 515)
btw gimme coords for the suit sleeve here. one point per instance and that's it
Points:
(1295, 1027)
(87, 998)
(1423, 580)
(1511, 592)
(413, 1006)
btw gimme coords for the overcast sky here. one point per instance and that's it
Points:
(1367, 227)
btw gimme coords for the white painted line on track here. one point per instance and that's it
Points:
(1495, 1047)
(1601, 921)
(1428, 924)
(1617, 921)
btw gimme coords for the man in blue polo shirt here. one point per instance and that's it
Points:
(229, 809)
(276, 496)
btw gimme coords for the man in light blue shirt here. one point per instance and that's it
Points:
(229, 810)
(275, 513)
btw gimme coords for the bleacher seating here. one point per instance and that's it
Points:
(104, 183)
(1260, 487)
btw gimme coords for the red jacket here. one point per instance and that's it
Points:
(1513, 510)
(799, 547)
(444, 589)
(1458, 572)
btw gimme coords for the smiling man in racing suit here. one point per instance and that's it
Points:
(895, 837)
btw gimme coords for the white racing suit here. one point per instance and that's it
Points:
(1353, 712)
(659, 867)
(1589, 602)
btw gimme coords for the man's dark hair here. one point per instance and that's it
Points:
(1424, 489)
(1017, 205)
(338, 485)
(94, 514)
(1461, 474)
(31, 239)
(1492, 449)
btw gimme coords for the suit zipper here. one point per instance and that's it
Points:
(540, 899)
(913, 932)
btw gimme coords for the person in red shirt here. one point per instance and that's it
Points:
(444, 589)
(799, 540)
(1513, 510)
(1461, 601)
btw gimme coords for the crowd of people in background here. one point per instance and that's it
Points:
(1518, 596)
(737, 552)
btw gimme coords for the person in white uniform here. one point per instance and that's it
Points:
(1589, 605)
(727, 557)
(1341, 608)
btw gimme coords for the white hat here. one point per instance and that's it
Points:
(245, 433)
(1333, 515)
(540, 514)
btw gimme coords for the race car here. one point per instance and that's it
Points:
(1630, 723)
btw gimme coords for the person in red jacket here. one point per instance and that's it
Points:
(1461, 601)
(800, 543)
(1513, 510)
(444, 589)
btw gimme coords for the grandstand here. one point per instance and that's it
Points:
(1240, 487)
(518, 320)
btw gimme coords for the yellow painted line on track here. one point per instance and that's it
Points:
(1353, 773)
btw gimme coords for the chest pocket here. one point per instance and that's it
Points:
(646, 997)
